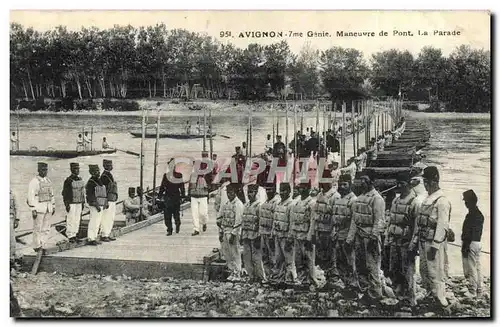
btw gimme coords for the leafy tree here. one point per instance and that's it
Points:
(392, 71)
(342, 71)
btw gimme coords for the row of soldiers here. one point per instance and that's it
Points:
(285, 236)
(100, 192)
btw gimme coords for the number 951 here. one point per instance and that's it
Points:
(225, 34)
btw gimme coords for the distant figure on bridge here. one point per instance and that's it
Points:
(187, 128)
(14, 145)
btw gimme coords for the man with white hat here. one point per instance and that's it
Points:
(42, 204)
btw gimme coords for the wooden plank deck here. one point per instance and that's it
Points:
(146, 252)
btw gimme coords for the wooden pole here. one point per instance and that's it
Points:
(286, 124)
(358, 119)
(156, 155)
(142, 158)
(317, 118)
(277, 122)
(250, 138)
(352, 130)
(295, 132)
(211, 133)
(272, 113)
(17, 145)
(343, 134)
(334, 118)
(91, 137)
(302, 120)
(204, 129)
(324, 130)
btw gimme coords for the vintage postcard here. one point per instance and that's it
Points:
(219, 164)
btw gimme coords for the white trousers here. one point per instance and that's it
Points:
(472, 268)
(199, 210)
(41, 229)
(108, 219)
(94, 223)
(73, 219)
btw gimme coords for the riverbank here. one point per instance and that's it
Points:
(222, 108)
(58, 295)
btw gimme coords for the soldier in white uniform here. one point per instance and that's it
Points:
(230, 222)
(302, 230)
(342, 215)
(109, 213)
(432, 230)
(74, 198)
(367, 224)
(42, 204)
(402, 223)
(266, 220)
(97, 199)
(252, 245)
(283, 240)
(322, 210)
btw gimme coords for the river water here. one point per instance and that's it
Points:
(459, 146)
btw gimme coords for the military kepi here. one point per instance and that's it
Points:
(345, 178)
(42, 165)
(93, 168)
(74, 165)
(431, 173)
(107, 162)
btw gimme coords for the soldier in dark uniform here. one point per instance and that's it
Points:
(74, 198)
(109, 213)
(173, 195)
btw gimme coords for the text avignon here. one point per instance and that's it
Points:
(259, 34)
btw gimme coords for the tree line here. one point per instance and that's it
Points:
(128, 62)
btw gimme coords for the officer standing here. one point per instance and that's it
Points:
(283, 240)
(368, 213)
(252, 246)
(173, 195)
(230, 222)
(402, 222)
(42, 204)
(432, 234)
(74, 198)
(109, 212)
(472, 231)
(302, 230)
(97, 199)
(342, 217)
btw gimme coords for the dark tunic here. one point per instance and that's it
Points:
(472, 229)
(67, 191)
(90, 191)
(172, 192)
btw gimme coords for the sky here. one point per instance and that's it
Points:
(473, 26)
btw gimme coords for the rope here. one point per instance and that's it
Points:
(485, 252)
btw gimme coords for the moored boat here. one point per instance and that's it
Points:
(61, 154)
(172, 136)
